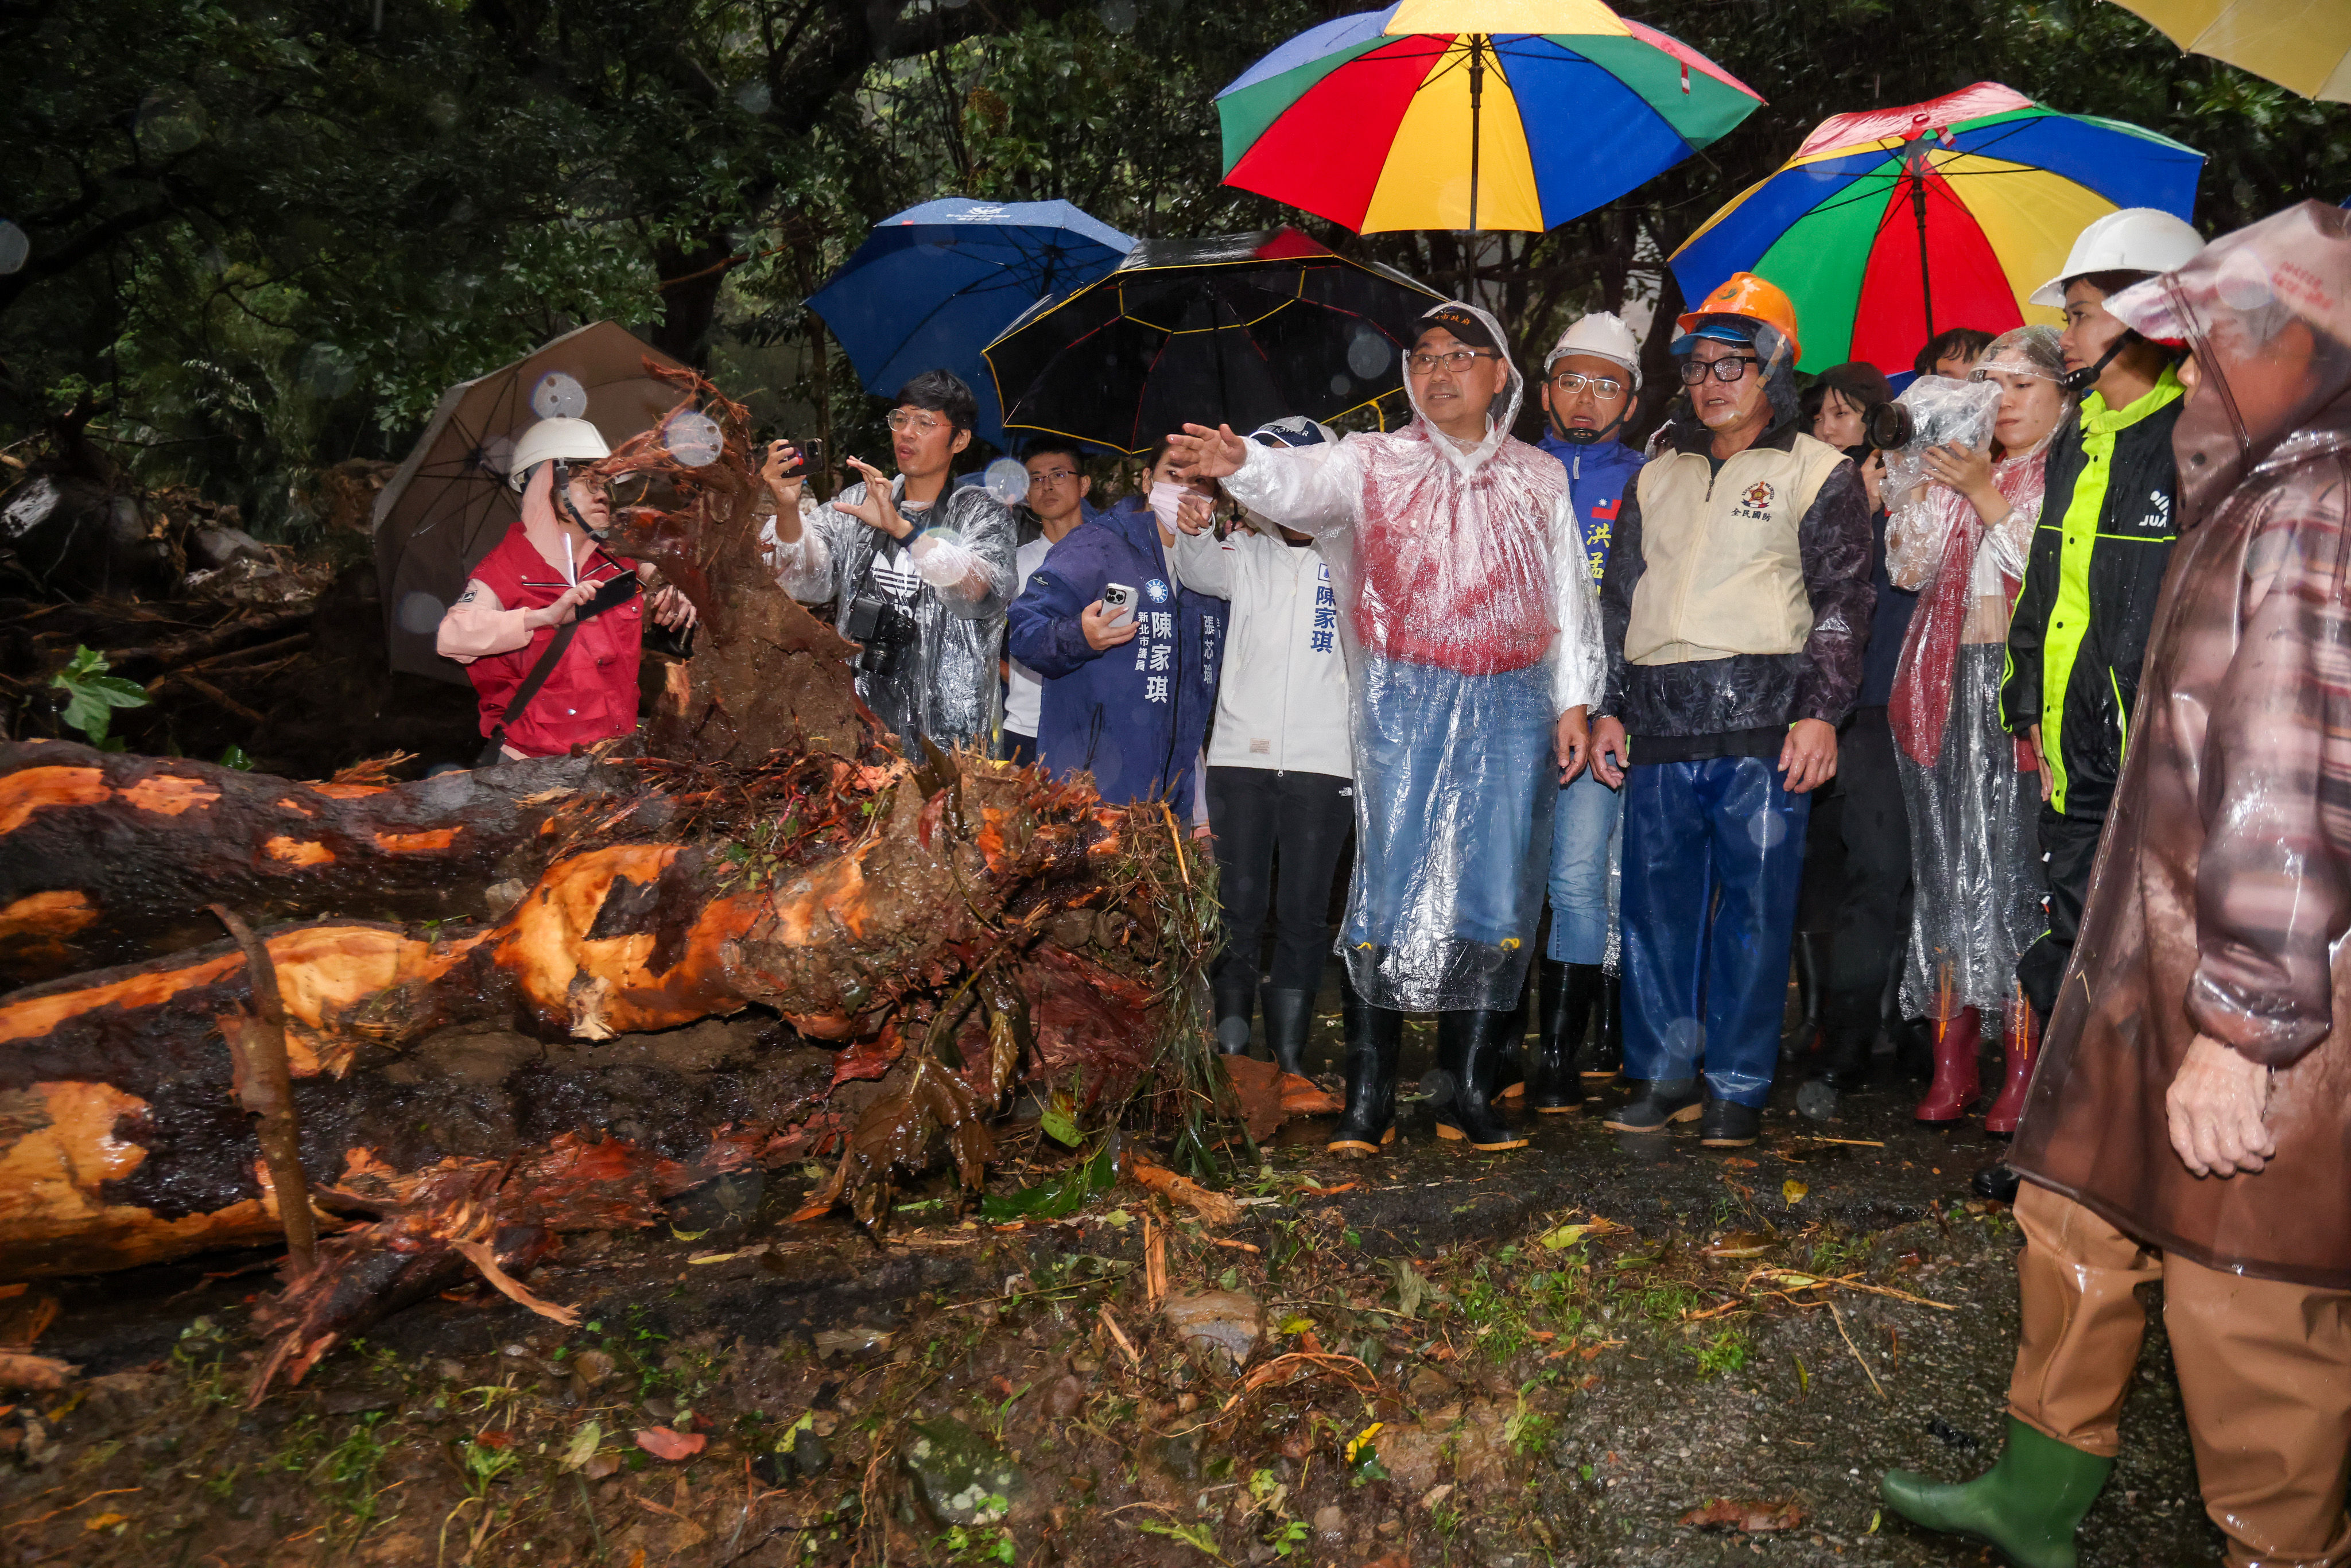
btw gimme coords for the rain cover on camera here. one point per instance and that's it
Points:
(1941, 411)
(1466, 632)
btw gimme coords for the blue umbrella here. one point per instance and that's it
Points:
(936, 283)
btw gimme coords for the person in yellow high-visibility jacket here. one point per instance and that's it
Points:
(2080, 628)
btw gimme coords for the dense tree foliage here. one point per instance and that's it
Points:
(265, 233)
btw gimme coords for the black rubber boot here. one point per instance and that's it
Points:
(1843, 1062)
(1997, 1182)
(1608, 1054)
(1289, 1015)
(1659, 1104)
(1728, 1125)
(1842, 1068)
(1811, 951)
(1470, 1046)
(1375, 1040)
(1234, 996)
(1567, 994)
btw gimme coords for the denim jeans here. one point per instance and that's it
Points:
(1586, 839)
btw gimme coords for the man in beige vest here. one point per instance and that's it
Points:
(1735, 609)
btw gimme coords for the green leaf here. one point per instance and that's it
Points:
(1194, 1536)
(236, 757)
(1052, 1199)
(583, 1446)
(91, 693)
(1059, 1121)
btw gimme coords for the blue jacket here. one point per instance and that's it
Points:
(1133, 715)
(1598, 477)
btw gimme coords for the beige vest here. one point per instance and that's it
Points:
(1721, 573)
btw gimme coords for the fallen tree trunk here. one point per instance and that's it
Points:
(119, 1142)
(108, 857)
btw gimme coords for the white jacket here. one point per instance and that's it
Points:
(1282, 701)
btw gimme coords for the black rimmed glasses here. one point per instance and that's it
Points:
(1728, 368)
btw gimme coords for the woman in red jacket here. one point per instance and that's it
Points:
(552, 571)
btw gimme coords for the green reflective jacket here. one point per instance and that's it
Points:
(2080, 627)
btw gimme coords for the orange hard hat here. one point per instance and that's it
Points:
(1744, 293)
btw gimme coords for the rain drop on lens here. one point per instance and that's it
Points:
(1340, 385)
(16, 246)
(693, 438)
(1008, 481)
(1368, 355)
(496, 455)
(753, 97)
(559, 396)
(420, 612)
(1118, 15)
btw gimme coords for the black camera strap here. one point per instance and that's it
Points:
(494, 752)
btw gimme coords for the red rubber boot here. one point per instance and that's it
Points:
(1957, 1081)
(2022, 1042)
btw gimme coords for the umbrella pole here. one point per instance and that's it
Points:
(1918, 211)
(1476, 96)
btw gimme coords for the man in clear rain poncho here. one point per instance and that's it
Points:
(919, 570)
(1473, 649)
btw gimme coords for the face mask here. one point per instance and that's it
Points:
(1165, 498)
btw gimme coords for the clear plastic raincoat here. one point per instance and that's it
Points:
(1969, 788)
(1469, 628)
(938, 678)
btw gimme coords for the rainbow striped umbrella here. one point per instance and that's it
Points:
(1890, 226)
(1469, 114)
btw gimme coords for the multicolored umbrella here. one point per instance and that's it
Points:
(1893, 225)
(1471, 114)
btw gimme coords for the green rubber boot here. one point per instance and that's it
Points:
(2026, 1506)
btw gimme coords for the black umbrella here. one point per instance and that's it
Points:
(1237, 330)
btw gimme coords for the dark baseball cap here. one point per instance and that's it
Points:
(1462, 322)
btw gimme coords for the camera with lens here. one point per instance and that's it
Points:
(1889, 426)
(884, 634)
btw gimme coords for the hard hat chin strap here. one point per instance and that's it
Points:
(1593, 437)
(2080, 381)
(562, 489)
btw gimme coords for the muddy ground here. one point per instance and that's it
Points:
(971, 1393)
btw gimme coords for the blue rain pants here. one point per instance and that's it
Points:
(1714, 856)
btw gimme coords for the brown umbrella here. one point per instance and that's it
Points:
(448, 505)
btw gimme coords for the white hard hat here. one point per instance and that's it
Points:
(2129, 239)
(1602, 335)
(573, 440)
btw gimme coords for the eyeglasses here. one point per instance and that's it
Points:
(619, 489)
(1570, 383)
(902, 422)
(1454, 359)
(1728, 368)
(1053, 476)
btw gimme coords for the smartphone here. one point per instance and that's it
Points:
(809, 452)
(1118, 604)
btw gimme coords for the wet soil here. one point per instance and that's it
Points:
(1544, 1394)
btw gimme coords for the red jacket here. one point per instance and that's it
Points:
(592, 694)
